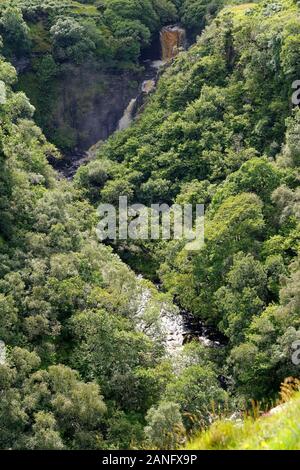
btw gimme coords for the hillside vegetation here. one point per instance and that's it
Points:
(83, 359)
(81, 59)
(84, 362)
(73, 57)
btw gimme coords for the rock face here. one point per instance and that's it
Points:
(172, 39)
(90, 104)
(111, 107)
(85, 106)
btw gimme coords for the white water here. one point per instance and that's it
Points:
(127, 117)
(2, 353)
(157, 64)
(148, 86)
(169, 324)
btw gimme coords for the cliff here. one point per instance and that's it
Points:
(83, 106)
(172, 39)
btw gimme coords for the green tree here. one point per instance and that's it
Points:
(165, 429)
(45, 435)
(198, 393)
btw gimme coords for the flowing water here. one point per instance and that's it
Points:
(178, 326)
(173, 40)
(128, 115)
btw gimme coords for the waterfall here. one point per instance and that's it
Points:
(2, 353)
(127, 117)
(172, 38)
(148, 86)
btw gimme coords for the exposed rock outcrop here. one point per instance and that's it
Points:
(172, 40)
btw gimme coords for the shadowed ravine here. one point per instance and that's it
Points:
(181, 327)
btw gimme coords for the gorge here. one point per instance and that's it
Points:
(102, 119)
(148, 342)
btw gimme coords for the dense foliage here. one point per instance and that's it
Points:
(81, 368)
(49, 41)
(86, 364)
(113, 31)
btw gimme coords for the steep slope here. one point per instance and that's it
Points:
(278, 431)
(221, 130)
(83, 353)
(83, 356)
(81, 62)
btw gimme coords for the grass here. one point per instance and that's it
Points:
(40, 37)
(278, 431)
